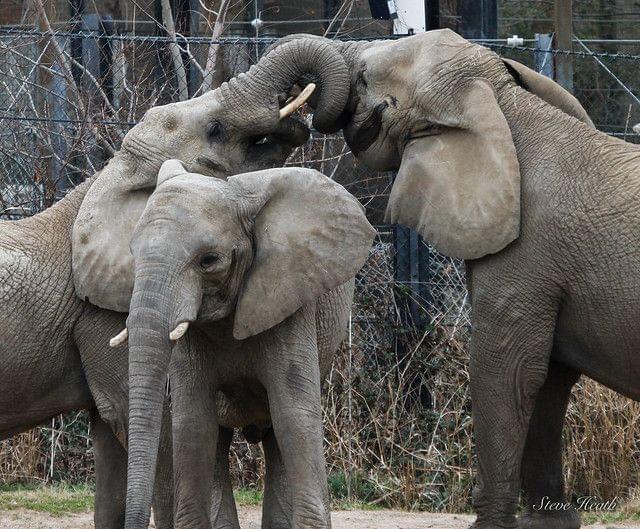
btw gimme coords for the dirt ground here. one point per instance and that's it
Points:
(250, 519)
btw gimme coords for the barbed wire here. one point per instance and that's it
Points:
(614, 56)
(269, 40)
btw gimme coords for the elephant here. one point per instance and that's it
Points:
(259, 269)
(501, 167)
(58, 310)
(56, 358)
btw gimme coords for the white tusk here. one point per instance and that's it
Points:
(179, 331)
(119, 338)
(290, 108)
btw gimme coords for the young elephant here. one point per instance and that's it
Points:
(260, 269)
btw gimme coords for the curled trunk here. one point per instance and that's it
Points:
(285, 66)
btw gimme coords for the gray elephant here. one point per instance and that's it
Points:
(55, 356)
(500, 166)
(54, 337)
(260, 268)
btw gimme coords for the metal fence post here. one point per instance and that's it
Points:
(564, 34)
(543, 59)
(479, 18)
(411, 270)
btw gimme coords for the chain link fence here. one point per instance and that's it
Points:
(397, 411)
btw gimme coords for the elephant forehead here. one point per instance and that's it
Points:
(423, 51)
(198, 192)
(205, 104)
(195, 208)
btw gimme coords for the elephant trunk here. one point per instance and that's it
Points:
(152, 317)
(285, 66)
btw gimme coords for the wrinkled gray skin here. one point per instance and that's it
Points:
(55, 355)
(554, 298)
(54, 347)
(262, 266)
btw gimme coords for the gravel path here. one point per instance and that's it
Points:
(250, 519)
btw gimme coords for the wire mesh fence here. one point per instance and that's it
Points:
(397, 412)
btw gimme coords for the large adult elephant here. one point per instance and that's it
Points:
(55, 355)
(500, 166)
(58, 312)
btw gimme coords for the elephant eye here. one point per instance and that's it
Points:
(208, 260)
(214, 130)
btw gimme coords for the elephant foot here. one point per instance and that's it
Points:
(493, 525)
(569, 519)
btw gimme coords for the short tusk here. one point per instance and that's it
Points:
(179, 331)
(119, 338)
(290, 108)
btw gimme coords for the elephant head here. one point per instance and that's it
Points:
(428, 106)
(236, 128)
(254, 248)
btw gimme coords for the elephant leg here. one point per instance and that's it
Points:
(223, 505)
(111, 475)
(542, 473)
(292, 380)
(276, 506)
(510, 353)
(195, 435)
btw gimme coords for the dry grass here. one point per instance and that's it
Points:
(602, 443)
(21, 457)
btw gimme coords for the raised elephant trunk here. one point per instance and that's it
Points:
(285, 66)
(154, 323)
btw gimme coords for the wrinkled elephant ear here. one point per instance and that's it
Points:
(547, 90)
(310, 236)
(460, 187)
(101, 260)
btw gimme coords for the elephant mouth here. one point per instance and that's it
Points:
(362, 136)
(290, 131)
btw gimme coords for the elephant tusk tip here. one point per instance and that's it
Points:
(179, 331)
(300, 100)
(119, 338)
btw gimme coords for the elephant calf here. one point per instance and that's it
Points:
(259, 270)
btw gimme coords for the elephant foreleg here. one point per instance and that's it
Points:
(223, 506)
(292, 381)
(111, 475)
(510, 354)
(542, 473)
(195, 435)
(276, 506)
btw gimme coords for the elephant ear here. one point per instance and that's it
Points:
(547, 90)
(101, 260)
(460, 186)
(310, 236)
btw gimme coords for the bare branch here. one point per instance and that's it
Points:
(212, 55)
(178, 64)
